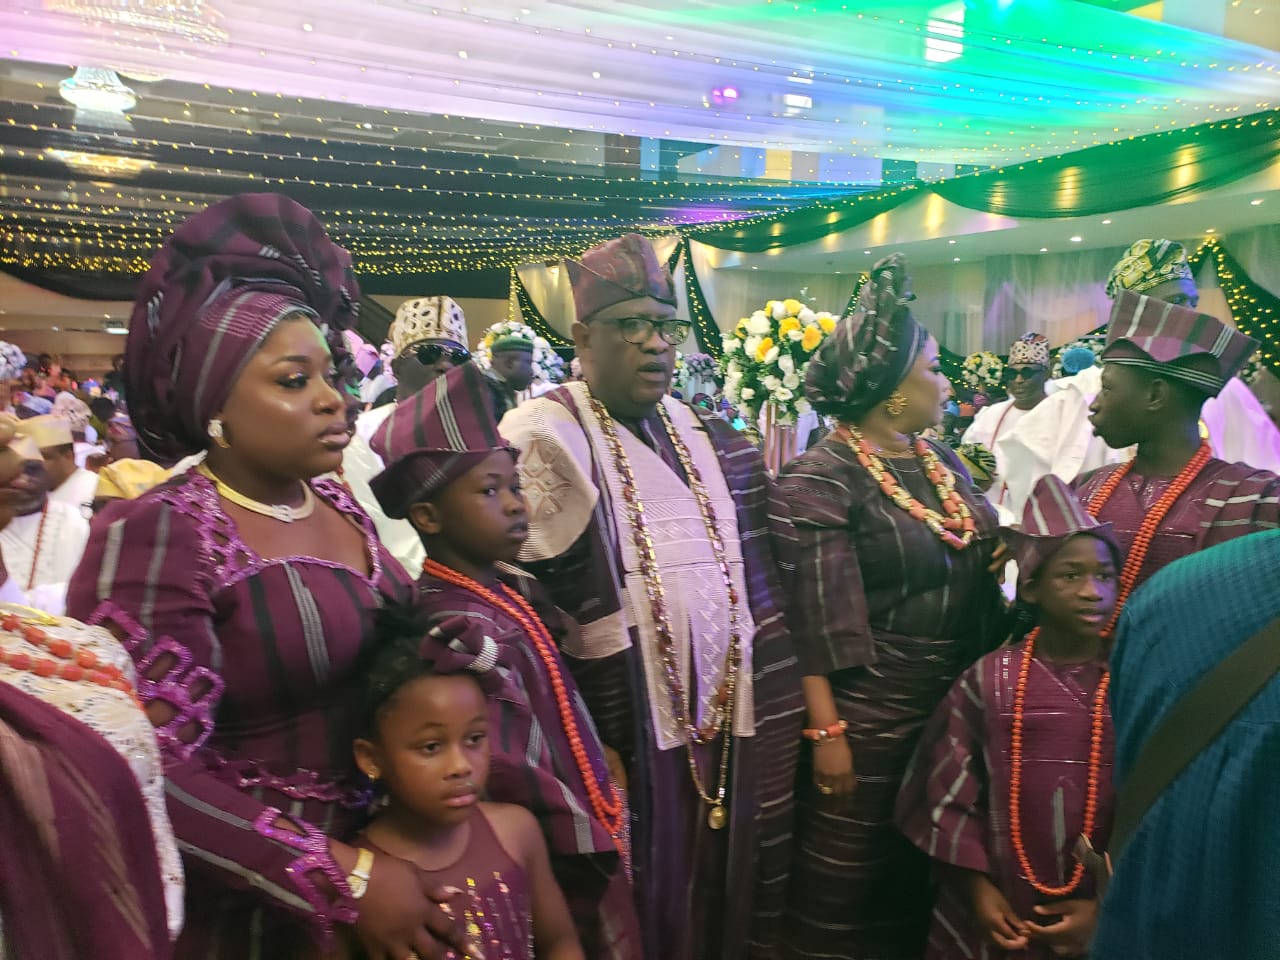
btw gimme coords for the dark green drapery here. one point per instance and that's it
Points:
(1140, 172)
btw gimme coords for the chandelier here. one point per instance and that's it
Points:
(192, 20)
(97, 90)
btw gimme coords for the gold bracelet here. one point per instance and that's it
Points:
(358, 878)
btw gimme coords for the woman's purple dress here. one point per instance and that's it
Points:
(259, 661)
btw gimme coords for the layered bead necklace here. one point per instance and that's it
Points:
(1015, 775)
(955, 526)
(725, 700)
(1150, 524)
(276, 511)
(606, 805)
(69, 662)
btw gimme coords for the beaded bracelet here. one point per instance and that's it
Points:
(821, 735)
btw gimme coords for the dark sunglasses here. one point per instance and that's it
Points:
(429, 354)
(1026, 373)
(637, 330)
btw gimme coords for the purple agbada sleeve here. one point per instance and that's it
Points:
(143, 576)
(942, 803)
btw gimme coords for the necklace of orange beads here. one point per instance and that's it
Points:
(70, 662)
(1150, 524)
(957, 528)
(605, 803)
(1015, 777)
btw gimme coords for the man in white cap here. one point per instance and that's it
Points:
(428, 339)
(68, 483)
(44, 541)
(1025, 374)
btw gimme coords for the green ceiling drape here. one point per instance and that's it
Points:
(1140, 172)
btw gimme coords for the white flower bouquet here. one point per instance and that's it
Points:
(766, 356)
(12, 361)
(983, 373)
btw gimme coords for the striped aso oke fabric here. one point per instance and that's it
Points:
(433, 437)
(264, 656)
(1175, 341)
(700, 893)
(1052, 516)
(890, 616)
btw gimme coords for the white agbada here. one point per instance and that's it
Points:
(61, 545)
(78, 490)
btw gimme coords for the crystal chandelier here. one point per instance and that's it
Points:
(192, 20)
(97, 90)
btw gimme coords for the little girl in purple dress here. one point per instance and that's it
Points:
(426, 748)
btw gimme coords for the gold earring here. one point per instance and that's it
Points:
(215, 433)
(895, 404)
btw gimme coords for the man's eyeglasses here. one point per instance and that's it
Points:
(638, 330)
(1024, 373)
(429, 354)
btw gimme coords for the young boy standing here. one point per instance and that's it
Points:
(1014, 768)
(454, 478)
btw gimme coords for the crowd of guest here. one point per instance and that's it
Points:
(311, 648)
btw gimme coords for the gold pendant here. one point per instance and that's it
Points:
(718, 817)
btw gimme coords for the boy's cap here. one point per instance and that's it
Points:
(434, 437)
(1052, 516)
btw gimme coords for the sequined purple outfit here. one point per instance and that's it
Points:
(262, 658)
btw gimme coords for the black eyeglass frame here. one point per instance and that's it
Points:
(642, 328)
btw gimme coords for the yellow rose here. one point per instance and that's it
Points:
(793, 307)
(488, 340)
(827, 324)
(740, 331)
(765, 346)
(812, 337)
(787, 325)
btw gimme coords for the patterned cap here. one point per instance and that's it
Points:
(511, 342)
(433, 437)
(427, 318)
(48, 431)
(1052, 516)
(1147, 264)
(1031, 349)
(622, 269)
(871, 350)
(1168, 339)
(13, 434)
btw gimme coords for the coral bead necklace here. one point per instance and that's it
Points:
(1015, 776)
(69, 662)
(1150, 524)
(957, 527)
(605, 803)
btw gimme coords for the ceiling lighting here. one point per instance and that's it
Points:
(1106, 221)
(189, 19)
(1211, 230)
(595, 74)
(1076, 239)
(97, 90)
(955, 259)
(307, 27)
(950, 241)
(102, 166)
(1256, 202)
(462, 54)
(866, 252)
(1044, 249)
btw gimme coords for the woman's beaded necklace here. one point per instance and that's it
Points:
(1150, 524)
(69, 661)
(276, 511)
(605, 802)
(725, 700)
(1015, 777)
(955, 526)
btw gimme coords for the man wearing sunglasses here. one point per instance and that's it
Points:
(648, 522)
(428, 338)
(1025, 376)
